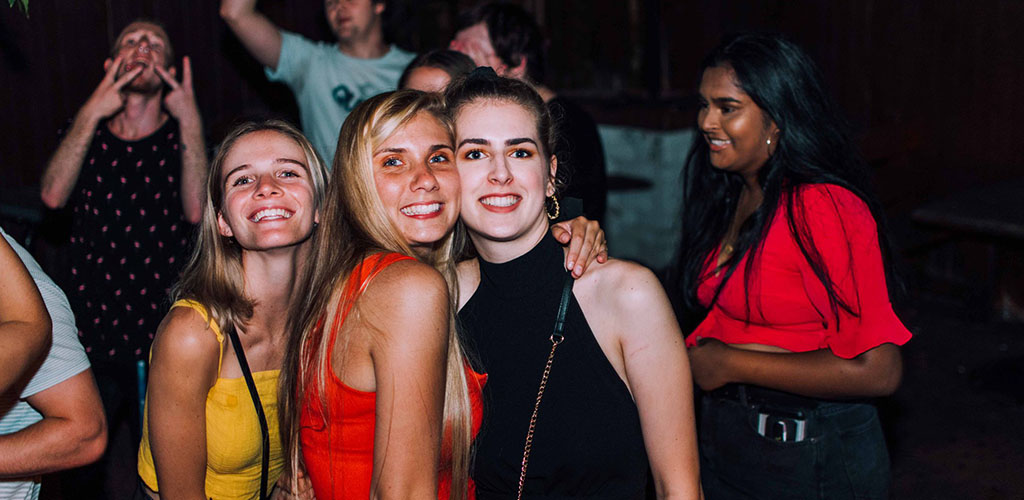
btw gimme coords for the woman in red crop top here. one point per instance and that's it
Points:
(782, 247)
(375, 387)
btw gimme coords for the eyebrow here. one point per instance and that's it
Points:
(244, 166)
(725, 100)
(474, 140)
(520, 140)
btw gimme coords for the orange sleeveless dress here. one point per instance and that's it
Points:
(338, 454)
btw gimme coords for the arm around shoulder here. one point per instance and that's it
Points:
(408, 305)
(183, 368)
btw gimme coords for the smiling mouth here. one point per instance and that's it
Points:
(501, 201)
(421, 209)
(271, 214)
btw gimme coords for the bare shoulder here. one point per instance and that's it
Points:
(407, 287)
(620, 284)
(184, 336)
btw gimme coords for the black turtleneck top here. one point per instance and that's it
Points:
(588, 441)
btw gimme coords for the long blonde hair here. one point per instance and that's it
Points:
(214, 276)
(354, 226)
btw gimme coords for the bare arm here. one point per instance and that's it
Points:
(183, 368)
(658, 374)
(180, 101)
(408, 304)
(24, 323)
(820, 373)
(72, 433)
(62, 170)
(260, 36)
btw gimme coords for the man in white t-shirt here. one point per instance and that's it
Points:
(328, 79)
(55, 421)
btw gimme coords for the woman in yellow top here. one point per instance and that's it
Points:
(202, 436)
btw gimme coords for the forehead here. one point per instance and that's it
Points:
(138, 29)
(495, 118)
(421, 131)
(476, 32)
(262, 147)
(720, 81)
(428, 79)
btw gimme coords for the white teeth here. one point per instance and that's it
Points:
(500, 201)
(271, 214)
(719, 142)
(422, 209)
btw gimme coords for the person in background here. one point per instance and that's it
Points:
(328, 79)
(431, 71)
(131, 167)
(202, 434)
(783, 246)
(614, 403)
(506, 38)
(53, 419)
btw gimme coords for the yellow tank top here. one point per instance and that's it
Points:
(233, 448)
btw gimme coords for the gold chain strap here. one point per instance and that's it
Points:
(533, 417)
(556, 339)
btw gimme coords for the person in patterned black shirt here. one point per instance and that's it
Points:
(131, 166)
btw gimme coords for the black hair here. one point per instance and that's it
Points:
(814, 146)
(454, 63)
(514, 35)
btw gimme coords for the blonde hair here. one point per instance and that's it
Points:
(355, 225)
(214, 276)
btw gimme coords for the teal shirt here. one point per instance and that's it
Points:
(328, 84)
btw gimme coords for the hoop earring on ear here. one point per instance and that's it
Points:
(558, 209)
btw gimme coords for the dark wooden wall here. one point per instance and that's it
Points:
(931, 84)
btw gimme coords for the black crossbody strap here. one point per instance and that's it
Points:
(264, 431)
(562, 307)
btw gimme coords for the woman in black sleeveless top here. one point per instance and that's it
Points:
(617, 397)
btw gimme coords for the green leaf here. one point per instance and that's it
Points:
(21, 3)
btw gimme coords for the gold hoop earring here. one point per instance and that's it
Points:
(558, 209)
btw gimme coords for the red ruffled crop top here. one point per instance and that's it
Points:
(789, 306)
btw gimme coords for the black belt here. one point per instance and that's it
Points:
(752, 395)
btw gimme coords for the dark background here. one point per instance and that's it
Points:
(932, 87)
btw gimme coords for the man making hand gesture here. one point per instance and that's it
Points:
(131, 167)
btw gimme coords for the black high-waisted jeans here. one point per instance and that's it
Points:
(842, 454)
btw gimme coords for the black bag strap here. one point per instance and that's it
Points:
(244, 365)
(556, 339)
(562, 307)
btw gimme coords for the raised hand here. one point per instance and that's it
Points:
(180, 101)
(107, 99)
